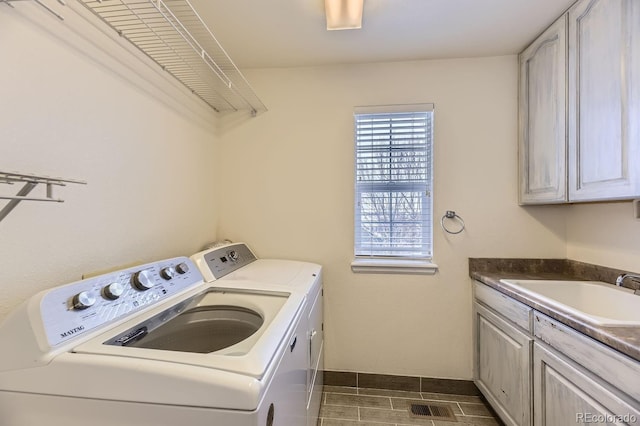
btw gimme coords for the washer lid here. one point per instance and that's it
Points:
(251, 356)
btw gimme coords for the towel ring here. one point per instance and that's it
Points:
(450, 214)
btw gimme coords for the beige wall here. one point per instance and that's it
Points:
(84, 108)
(90, 108)
(288, 191)
(604, 234)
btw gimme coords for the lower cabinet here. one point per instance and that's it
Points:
(502, 373)
(567, 394)
(534, 370)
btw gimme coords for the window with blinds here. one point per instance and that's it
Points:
(393, 211)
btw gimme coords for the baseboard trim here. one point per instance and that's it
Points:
(402, 383)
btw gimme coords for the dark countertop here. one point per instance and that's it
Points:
(490, 271)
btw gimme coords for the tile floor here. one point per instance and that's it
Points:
(349, 406)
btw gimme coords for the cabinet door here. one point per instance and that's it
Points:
(542, 120)
(604, 134)
(566, 395)
(502, 369)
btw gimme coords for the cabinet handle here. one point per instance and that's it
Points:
(293, 344)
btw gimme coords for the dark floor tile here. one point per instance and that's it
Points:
(332, 422)
(384, 381)
(340, 389)
(340, 378)
(475, 409)
(456, 387)
(404, 404)
(357, 400)
(350, 406)
(450, 397)
(393, 416)
(339, 412)
(389, 393)
(469, 421)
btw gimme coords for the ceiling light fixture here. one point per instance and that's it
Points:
(343, 14)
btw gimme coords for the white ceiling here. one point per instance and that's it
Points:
(289, 33)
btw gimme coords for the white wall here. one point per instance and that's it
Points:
(84, 107)
(605, 234)
(288, 191)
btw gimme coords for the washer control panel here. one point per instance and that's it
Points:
(224, 260)
(74, 309)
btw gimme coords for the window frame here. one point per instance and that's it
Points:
(411, 264)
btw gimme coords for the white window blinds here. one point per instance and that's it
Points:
(393, 212)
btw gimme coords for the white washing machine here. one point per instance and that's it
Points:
(157, 345)
(236, 266)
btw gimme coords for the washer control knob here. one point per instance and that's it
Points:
(168, 272)
(182, 268)
(112, 291)
(233, 255)
(142, 280)
(83, 300)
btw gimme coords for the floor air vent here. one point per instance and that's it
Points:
(432, 412)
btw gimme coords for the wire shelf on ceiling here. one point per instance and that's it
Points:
(50, 10)
(172, 34)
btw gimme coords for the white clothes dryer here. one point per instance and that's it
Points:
(156, 345)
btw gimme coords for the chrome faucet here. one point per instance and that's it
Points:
(623, 277)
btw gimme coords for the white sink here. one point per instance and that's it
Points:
(593, 301)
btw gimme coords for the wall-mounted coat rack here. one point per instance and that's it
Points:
(30, 182)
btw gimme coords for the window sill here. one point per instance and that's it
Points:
(394, 266)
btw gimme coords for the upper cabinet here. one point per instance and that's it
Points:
(543, 128)
(580, 106)
(604, 137)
